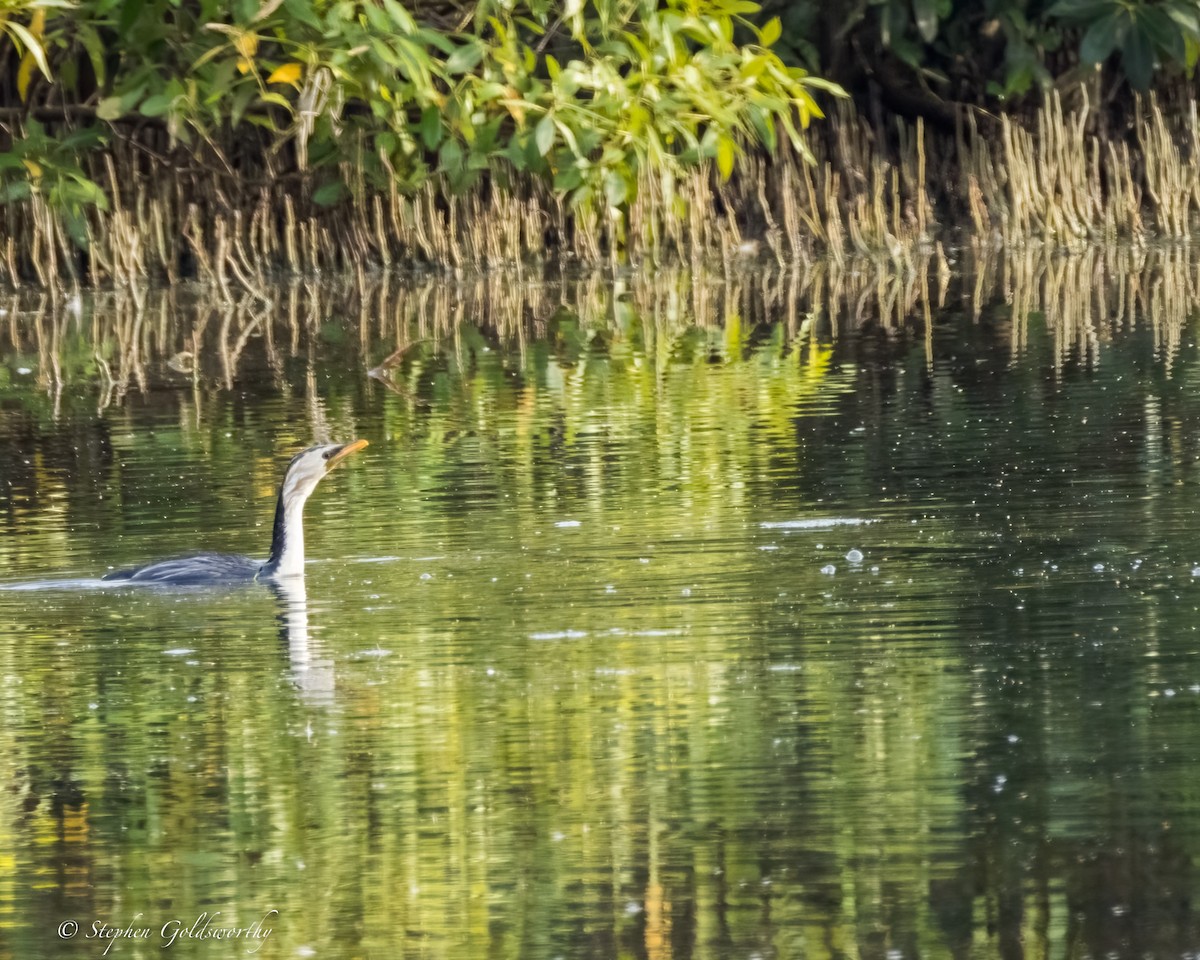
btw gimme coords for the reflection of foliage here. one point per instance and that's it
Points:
(520, 762)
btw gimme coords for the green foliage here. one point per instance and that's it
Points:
(629, 88)
(360, 95)
(47, 166)
(1145, 34)
(1001, 48)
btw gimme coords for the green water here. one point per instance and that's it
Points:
(587, 662)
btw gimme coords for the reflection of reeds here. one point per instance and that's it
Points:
(129, 340)
(883, 191)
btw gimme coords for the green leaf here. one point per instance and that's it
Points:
(764, 127)
(95, 49)
(109, 108)
(303, 11)
(386, 141)
(131, 10)
(568, 178)
(726, 153)
(1137, 58)
(76, 225)
(132, 97)
(68, 74)
(907, 50)
(276, 100)
(465, 58)
(15, 190)
(582, 197)
(156, 105)
(85, 191)
(1080, 9)
(487, 135)
(330, 193)
(400, 16)
(616, 188)
(1185, 14)
(926, 14)
(543, 135)
(1162, 32)
(431, 127)
(31, 44)
(450, 157)
(1103, 37)
(243, 96)
(772, 30)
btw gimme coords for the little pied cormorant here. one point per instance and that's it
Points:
(287, 540)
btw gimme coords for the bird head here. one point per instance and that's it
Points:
(309, 466)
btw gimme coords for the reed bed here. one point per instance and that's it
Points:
(890, 192)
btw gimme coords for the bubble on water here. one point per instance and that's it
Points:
(829, 569)
(1098, 567)
(854, 556)
(568, 523)
(685, 592)
(24, 371)
(427, 576)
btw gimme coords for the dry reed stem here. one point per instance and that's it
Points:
(888, 193)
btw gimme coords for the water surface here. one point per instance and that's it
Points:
(663, 618)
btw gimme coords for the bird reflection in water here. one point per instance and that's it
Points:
(311, 673)
(282, 572)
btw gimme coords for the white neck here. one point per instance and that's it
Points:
(287, 539)
(291, 561)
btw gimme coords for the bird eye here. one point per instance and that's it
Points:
(327, 454)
